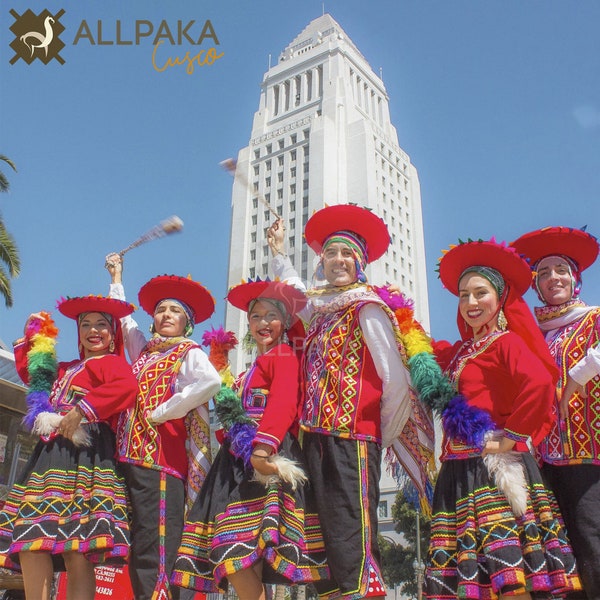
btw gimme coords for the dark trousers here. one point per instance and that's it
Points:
(344, 475)
(145, 496)
(577, 491)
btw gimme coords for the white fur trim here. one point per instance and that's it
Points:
(289, 471)
(508, 473)
(46, 423)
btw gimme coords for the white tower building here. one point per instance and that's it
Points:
(322, 135)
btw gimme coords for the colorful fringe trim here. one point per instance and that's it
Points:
(460, 421)
(466, 423)
(220, 343)
(42, 366)
(228, 405)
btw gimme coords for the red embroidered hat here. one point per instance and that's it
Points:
(242, 294)
(184, 289)
(513, 268)
(578, 245)
(73, 307)
(348, 217)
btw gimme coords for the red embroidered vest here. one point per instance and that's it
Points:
(342, 391)
(161, 447)
(577, 439)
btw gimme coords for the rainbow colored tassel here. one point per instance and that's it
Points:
(461, 421)
(41, 333)
(220, 342)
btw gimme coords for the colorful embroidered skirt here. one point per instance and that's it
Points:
(235, 523)
(345, 476)
(480, 549)
(68, 500)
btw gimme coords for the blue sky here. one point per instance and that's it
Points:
(496, 102)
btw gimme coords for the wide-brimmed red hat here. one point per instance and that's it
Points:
(580, 246)
(517, 276)
(292, 298)
(73, 307)
(505, 259)
(184, 289)
(348, 217)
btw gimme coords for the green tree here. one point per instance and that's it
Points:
(398, 560)
(10, 263)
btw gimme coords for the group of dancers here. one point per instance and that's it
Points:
(123, 472)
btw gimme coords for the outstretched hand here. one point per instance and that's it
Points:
(276, 237)
(114, 265)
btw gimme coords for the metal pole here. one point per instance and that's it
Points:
(419, 567)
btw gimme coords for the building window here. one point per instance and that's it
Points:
(253, 237)
(268, 165)
(254, 203)
(292, 189)
(279, 194)
(268, 182)
(281, 144)
(280, 177)
(269, 148)
(293, 138)
(293, 155)
(280, 160)
(257, 153)
(267, 212)
(256, 169)
(293, 204)
(252, 255)
(382, 510)
(293, 172)
(306, 133)
(252, 272)
(265, 250)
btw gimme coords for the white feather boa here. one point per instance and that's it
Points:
(288, 471)
(508, 473)
(46, 423)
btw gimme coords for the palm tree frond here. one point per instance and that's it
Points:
(5, 289)
(9, 253)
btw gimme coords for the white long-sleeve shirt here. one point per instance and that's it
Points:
(197, 381)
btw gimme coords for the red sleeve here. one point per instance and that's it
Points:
(444, 352)
(281, 369)
(112, 387)
(531, 411)
(20, 350)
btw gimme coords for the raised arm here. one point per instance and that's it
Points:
(133, 338)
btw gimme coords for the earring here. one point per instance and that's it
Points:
(285, 339)
(502, 322)
(111, 346)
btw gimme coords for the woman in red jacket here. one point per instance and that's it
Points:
(69, 508)
(495, 530)
(240, 530)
